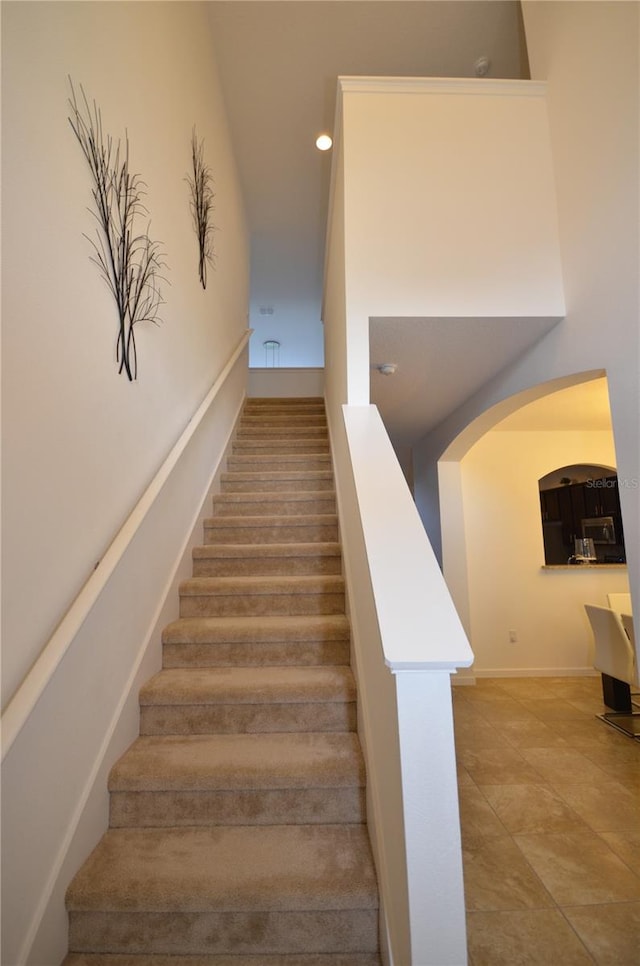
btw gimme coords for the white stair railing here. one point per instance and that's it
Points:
(407, 640)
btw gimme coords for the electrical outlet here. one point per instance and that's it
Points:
(513, 637)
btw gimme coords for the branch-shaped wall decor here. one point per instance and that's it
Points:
(202, 207)
(129, 261)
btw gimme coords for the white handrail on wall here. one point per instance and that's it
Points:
(26, 697)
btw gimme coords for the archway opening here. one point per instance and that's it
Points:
(524, 616)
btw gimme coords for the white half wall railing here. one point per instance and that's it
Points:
(77, 710)
(407, 640)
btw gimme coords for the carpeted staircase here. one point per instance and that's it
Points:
(237, 830)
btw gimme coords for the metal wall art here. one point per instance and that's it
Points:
(202, 207)
(129, 261)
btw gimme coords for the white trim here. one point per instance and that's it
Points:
(442, 85)
(535, 672)
(26, 697)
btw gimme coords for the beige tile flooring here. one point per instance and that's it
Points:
(550, 816)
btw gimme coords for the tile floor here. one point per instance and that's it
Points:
(550, 816)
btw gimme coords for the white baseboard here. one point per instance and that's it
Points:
(532, 672)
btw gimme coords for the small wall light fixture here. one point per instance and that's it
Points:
(387, 368)
(324, 142)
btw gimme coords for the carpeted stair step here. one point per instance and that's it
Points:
(271, 482)
(280, 418)
(256, 700)
(302, 959)
(300, 528)
(254, 889)
(261, 596)
(271, 447)
(275, 559)
(286, 404)
(289, 503)
(280, 463)
(266, 641)
(287, 430)
(271, 779)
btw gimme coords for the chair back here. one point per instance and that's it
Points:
(614, 653)
(627, 623)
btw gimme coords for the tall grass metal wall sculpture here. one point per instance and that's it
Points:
(202, 206)
(129, 261)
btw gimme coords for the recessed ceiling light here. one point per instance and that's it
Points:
(323, 142)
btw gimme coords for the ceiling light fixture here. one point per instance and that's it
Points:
(387, 368)
(323, 142)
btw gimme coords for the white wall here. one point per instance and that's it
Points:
(593, 118)
(80, 443)
(286, 382)
(508, 587)
(449, 205)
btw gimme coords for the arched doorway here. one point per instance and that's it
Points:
(522, 615)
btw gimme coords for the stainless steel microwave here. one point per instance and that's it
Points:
(599, 529)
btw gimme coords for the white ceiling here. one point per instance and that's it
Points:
(441, 362)
(279, 63)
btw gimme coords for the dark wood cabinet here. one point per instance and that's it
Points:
(601, 497)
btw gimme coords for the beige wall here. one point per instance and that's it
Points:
(80, 443)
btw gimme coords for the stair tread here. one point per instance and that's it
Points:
(249, 685)
(304, 959)
(243, 459)
(228, 868)
(239, 761)
(271, 520)
(275, 476)
(264, 496)
(233, 550)
(281, 444)
(278, 418)
(283, 503)
(259, 629)
(286, 429)
(288, 401)
(262, 585)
